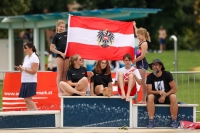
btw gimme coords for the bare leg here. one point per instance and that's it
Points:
(65, 68)
(164, 47)
(121, 84)
(161, 48)
(30, 104)
(60, 71)
(131, 83)
(173, 106)
(99, 89)
(151, 106)
(143, 84)
(83, 85)
(68, 90)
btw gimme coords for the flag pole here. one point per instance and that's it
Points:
(68, 31)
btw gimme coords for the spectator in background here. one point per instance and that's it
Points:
(161, 89)
(29, 34)
(52, 62)
(162, 39)
(101, 81)
(29, 75)
(22, 35)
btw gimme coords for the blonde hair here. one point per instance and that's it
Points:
(72, 59)
(59, 22)
(144, 32)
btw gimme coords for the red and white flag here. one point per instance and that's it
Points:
(98, 38)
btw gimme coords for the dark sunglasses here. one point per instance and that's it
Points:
(80, 59)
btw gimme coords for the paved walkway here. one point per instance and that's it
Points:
(95, 130)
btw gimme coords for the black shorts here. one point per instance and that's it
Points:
(59, 56)
(75, 94)
(142, 65)
(53, 70)
(28, 89)
(167, 100)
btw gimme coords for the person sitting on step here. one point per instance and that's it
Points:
(161, 89)
(101, 81)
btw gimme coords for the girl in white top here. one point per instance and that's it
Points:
(29, 75)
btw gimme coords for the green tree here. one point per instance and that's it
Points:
(178, 18)
(12, 8)
(49, 6)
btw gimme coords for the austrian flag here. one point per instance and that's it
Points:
(98, 38)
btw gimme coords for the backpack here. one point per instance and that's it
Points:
(189, 125)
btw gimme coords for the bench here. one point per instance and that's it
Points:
(100, 111)
(30, 119)
(95, 111)
(162, 114)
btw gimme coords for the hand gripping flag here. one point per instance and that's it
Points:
(99, 39)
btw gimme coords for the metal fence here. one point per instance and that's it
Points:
(188, 84)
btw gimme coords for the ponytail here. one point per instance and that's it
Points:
(144, 32)
(34, 50)
(147, 36)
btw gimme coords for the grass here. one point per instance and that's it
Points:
(186, 59)
(188, 92)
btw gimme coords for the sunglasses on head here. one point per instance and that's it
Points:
(24, 46)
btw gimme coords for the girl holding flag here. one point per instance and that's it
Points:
(140, 61)
(59, 41)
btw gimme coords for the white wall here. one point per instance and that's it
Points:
(3, 56)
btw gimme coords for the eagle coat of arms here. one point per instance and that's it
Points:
(105, 38)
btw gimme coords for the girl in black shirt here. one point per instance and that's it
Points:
(77, 81)
(101, 81)
(59, 41)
